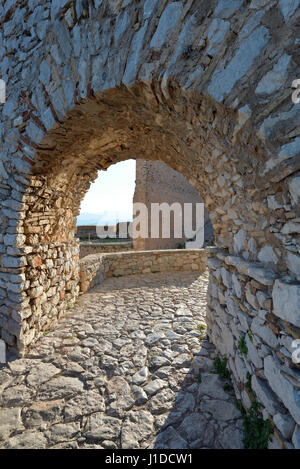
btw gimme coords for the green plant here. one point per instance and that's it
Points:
(100, 359)
(202, 329)
(221, 368)
(250, 336)
(257, 430)
(242, 346)
(248, 382)
(199, 378)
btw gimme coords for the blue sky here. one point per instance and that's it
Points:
(112, 193)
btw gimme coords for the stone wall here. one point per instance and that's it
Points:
(157, 183)
(96, 248)
(204, 87)
(95, 268)
(253, 318)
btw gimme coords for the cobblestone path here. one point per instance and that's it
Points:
(125, 368)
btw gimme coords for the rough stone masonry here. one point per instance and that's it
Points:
(206, 88)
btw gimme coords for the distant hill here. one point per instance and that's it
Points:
(104, 218)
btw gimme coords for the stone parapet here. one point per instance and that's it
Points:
(95, 268)
(87, 249)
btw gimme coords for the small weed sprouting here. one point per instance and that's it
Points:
(199, 378)
(221, 368)
(242, 346)
(250, 336)
(202, 329)
(257, 430)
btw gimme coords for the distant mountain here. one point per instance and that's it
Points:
(104, 218)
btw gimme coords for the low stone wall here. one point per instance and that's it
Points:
(95, 268)
(253, 318)
(87, 249)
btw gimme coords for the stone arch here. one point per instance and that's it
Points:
(203, 86)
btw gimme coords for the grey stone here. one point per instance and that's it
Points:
(141, 376)
(134, 55)
(285, 425)
(162, 402)
(60, 387)
(226, 10)
(265, 395)
(185, 402)
(289, 149)
(293, 263)
(10, 421)
(137, 427)
(239, 241)
(288, 8)
(84, 404)
(264, 332)
(286, 301)
(63, 432)
(101, 427)
(154, 386)
(291, 227)
(237, 286)
(275, 79)
(220, 410)
(149, 7)
(289, 395)
(139, 394)
(223, 80)
(267, 255)
(296, 437)
(211, 386)
(168, 21)
(27, 440)
(42, 373)
(294, 188)
(170, 439)
(193, 427)
(264, 276)
(231, 438)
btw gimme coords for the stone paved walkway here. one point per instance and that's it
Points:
(122, 370)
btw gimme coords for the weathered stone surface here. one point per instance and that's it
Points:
(286, 300)
(138, 427)
(170, 439)
(296, 437)
(99, 427)
(293, 263)
(42, 373)
(221, 410)
(285, 424)
(10, 420)
(282, 387)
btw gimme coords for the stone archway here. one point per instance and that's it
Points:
(205, 86)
